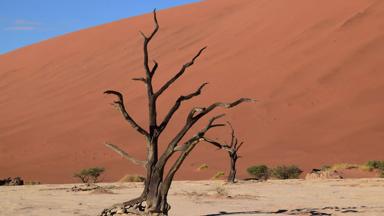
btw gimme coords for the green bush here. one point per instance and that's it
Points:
(260, 172)
(286, 172)
(376, 164)
(90, 174)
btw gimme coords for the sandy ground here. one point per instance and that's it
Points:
(209, 198)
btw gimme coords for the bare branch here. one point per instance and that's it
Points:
(154, 68)
(177, 104)
(120, 103)
(238, 147)
(148, 71)
(126, 155)
(155, 29)
(202, 111)
(217, 144)
(211, 125)
(188, 147)
(232, 147)
(180, 73)
(233, 137)
(191, 120)
(142, 79)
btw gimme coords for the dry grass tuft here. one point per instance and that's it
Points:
(132, 178)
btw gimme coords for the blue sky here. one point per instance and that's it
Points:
(24, 22)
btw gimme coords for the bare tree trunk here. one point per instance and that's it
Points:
(232, 172)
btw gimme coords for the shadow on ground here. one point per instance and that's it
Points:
(246, 212)
(326, 211)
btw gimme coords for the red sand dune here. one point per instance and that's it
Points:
(315, 66)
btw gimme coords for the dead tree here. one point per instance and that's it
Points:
(153, 200)
(232, 150)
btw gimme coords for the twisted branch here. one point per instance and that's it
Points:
(130, 120)
(177, 104)
(188, 146)
(126, 155)
(180, 73)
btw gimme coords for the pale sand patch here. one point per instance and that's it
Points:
(191, 198)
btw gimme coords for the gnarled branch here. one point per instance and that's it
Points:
(188, 146)
(200, 136)
(180, 73)
(120, 103)
(217, 144)
(177, 104)
(126, 155)
(233, 147)
(191, 120)
(202, 111)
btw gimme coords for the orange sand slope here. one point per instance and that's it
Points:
(315, 66)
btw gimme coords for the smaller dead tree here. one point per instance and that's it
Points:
(232, 150)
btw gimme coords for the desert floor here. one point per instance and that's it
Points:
(209, 198)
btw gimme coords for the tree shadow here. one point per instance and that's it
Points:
(247, 212)
(310, 211)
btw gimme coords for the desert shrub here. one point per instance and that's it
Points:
(202, 167)
(340, 166)
(132, 178)
(259, 172)
(369, 166)
(32, 182)
(95, 172)
(286, 172)
(90, 174)
(218, 175)
(376, 164)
